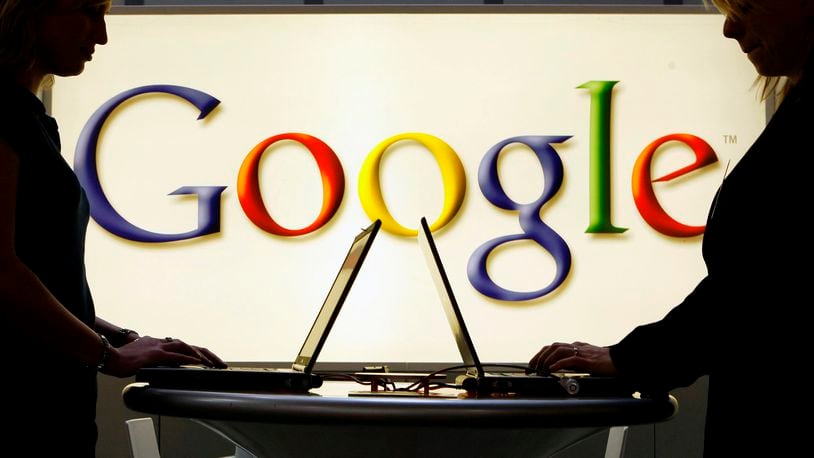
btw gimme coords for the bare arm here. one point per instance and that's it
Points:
(117, 335)
(25, 300)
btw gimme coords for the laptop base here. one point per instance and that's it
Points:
(249, 379)
(545, 386)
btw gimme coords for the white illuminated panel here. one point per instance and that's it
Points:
(353, 81)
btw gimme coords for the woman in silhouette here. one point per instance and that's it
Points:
(52, 341)
(743, 324)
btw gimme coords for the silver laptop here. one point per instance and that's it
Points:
(481, 382)
(299, 378)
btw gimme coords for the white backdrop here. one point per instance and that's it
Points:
(354, 80)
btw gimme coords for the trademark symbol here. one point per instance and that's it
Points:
(730, 139)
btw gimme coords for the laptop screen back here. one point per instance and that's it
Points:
(451, 309)
(336, 296)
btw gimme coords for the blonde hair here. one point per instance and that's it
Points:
(18, 39)
(769, 86)
(19, 20)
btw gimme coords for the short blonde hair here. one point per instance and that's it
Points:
(769, 85)
(18, 22)
(18, 33)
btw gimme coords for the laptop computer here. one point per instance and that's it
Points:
(479, 381)
(298, 378)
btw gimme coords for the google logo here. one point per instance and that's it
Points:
(454, 183)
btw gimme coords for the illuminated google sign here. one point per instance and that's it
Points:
(454, 182)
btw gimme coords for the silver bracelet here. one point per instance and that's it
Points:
(105, 352)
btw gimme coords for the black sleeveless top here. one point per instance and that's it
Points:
(52, 210)
(51, 220)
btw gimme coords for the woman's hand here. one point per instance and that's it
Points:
(149, 351)
(578, 356)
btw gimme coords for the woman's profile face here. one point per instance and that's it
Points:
(775, 34)
(69, 34)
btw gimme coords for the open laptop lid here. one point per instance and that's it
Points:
(451, 309)
(307, 356)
